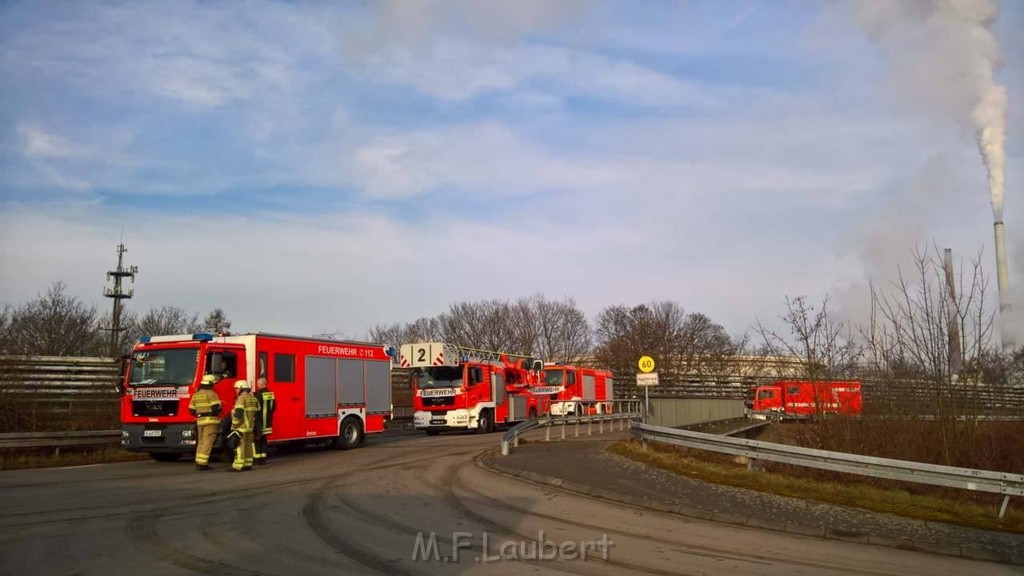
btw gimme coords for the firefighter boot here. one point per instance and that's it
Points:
(203, 467)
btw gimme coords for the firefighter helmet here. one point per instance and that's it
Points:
(208, 380)
(242, 385)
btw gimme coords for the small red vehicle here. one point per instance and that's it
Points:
(800, 399)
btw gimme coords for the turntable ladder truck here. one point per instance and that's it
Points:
(461, 388)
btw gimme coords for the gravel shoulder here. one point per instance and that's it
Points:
(587, 467)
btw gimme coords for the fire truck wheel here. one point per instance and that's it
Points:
(165, 456)
(350, 434)
(484, 424)
(533, 414)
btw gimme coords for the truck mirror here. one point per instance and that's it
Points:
(216, 363)
(538, 365)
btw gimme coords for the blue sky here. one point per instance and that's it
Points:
(320, 167)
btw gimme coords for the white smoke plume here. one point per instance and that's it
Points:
(943, 54)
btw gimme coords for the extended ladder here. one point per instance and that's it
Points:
(424, 354)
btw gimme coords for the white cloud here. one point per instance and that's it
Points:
(38, 143)
(45, 150)
(493, 160)
(459, 70)
(198, 54)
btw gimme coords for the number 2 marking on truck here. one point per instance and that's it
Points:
(421, 355)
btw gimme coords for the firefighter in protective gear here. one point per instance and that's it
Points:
(243, 418)
(264, 420)
(205, 407)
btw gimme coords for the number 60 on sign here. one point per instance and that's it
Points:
(646, 364)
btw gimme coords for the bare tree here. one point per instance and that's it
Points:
(705, 348)
(682, 344)
(388, 335)
(164, 320)
(551, 330)
(908, 344)
(486, 324)
(1004, 371)
(828, 348)
(217, 322)
(5, 329)
(522, 325)
(125, 337)
(422, 330)
(55, 324)
(624, 334)
(562, 331)
(334, 335)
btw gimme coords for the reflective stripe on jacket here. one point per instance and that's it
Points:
(267, 405)
(205, 406)
(243, 415)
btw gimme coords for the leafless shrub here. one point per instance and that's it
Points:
(909, 349)
(828, 348)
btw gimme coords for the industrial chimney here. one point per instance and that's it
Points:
(1003, 283)
(956, 357)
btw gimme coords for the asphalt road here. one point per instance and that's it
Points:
(381, 509)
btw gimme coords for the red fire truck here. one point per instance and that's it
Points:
(461, 388)
(801, 399)
(326, 390)
(576, 390)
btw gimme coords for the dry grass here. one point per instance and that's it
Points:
(21, 417)
(938, 505)
(19, 458)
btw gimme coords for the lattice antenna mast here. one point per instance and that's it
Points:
(118, 292)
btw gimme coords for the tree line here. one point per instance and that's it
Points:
(914, 320)
(56, 323)
(558, 331)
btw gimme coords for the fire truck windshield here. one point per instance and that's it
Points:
(554, 377)
(440, 377)
(163, 367)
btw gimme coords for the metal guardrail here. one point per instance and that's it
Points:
(964, 478)
(510, 439)
(54, 383)
(747, 429)
(50, 439)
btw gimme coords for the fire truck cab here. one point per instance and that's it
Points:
(326, 391)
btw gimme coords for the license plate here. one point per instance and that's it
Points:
(437, 421)
(151, 433)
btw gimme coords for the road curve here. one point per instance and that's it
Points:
(382, 509)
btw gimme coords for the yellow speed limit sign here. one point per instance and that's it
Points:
(646, 364)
